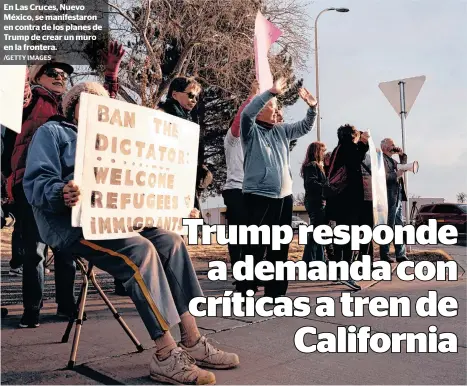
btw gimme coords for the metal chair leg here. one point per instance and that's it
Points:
(71, 321)
(116, 315)
(79, 320)
(88, 275)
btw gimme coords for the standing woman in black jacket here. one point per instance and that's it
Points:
(345, 208)
(314, 180)
(182, 98)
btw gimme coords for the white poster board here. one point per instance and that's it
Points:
(135, 166)
(11, 96)
(378, 185)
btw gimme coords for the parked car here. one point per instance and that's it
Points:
(445, 214)
(296, 221)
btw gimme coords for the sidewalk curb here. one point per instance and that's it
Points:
(375, 282)
(449, 257)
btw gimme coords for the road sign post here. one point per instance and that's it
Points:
(401, 94)
(406, 176)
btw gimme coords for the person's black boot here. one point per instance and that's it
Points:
(30, 319)
(244, 286)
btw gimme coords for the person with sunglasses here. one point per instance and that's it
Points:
(182, 98)
(48, 85)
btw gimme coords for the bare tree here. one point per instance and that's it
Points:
(213, 41)
(209, 39)
(461, 197)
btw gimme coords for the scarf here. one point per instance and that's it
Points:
(55, 97)
(172, 107)
(265, 124)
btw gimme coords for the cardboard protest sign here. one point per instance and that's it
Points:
(378, 185)
(11, 96)
(266, 34)
(135, 166)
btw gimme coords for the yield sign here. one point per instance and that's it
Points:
(412, 87)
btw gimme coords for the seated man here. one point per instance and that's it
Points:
(154, 266)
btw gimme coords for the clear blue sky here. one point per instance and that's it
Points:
(385, 40)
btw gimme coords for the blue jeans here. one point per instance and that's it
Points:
(313, 251)
(394, 218)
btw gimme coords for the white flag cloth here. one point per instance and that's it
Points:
(378, 185)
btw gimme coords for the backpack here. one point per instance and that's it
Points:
(337, 182)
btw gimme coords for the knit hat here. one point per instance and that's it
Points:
(71, 98)
(37, 70)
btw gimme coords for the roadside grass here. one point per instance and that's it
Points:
(220, 252)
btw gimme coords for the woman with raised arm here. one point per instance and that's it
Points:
(267, 184)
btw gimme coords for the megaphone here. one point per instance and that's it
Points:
(412, 167)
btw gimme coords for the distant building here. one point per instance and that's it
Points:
(216, 215)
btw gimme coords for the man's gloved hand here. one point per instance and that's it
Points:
(113, 58)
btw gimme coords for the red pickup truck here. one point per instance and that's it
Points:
(445, 214)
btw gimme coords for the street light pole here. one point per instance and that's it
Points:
(318, 124)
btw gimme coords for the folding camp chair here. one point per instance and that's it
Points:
(88, 274)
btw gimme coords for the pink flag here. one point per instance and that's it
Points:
(266, 34)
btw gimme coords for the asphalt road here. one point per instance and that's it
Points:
(11, 286)
(458, 252)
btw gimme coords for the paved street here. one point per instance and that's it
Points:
(265, 345)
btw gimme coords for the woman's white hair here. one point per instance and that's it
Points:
(71, 98)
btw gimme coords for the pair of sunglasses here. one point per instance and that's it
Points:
(192, 96)
(53, 73)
